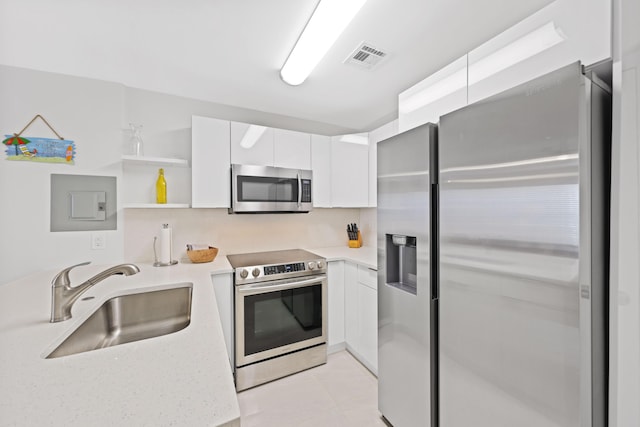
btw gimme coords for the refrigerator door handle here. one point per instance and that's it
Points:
(435, 237)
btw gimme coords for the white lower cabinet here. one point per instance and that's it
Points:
(335, 297)
(351, 323)
(223, 288)
(361, 314)
(352, 301)
(368, 316)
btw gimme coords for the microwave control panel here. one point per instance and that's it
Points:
(306, 191)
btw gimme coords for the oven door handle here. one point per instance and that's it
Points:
(271, 287)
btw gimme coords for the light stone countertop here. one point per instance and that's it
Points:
(180, 379)
(366, 255)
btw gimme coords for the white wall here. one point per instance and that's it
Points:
(167, 120)
(235, 233)
(95, 114)
(369, 226)
(86, 111)
(624, 409)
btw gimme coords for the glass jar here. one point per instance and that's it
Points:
(135, 142)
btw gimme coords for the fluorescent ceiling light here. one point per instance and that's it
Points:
(523, 48)
(252, 135)
(356, 138)
(328, 21)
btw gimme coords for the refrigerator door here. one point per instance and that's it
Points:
(405, 177)
(522, 258)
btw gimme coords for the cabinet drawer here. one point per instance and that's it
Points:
(368, 276)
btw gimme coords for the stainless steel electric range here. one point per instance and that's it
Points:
(280, 314)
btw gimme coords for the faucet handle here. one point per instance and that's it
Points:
(62, 278)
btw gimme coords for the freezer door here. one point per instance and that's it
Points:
(518, 203)
(405, 178)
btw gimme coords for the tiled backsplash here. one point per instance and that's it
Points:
(238, 233)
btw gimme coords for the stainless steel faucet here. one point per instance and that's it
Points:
(63, 295)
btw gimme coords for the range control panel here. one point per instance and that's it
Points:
(263, 273)
(284, 268)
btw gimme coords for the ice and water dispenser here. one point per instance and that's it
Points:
(401, 262)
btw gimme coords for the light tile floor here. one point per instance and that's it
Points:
(340, 393)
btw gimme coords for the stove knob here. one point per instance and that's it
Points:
(244, 273)
(312, 265)
(320, 264)
(255, 272)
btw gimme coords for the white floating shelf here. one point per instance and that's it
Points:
(155, 161)
(155, 205)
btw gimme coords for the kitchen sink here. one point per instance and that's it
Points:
(131, 317)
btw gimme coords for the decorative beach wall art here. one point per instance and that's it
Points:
(38, 149)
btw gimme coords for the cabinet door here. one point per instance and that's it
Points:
(223, 288)
(351, 316)
(292, 149)
(368, 321)
(259, 152)
(350, 174)
(210, 177)
(335, 273)
(373, 175)
(321, 166)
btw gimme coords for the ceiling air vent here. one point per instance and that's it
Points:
(366, 56)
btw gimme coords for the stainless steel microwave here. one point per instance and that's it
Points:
(266, 189)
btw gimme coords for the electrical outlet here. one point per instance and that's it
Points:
(98, 241)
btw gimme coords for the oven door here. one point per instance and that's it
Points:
(266, 189)
(275, 318)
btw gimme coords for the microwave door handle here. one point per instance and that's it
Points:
(299, 190)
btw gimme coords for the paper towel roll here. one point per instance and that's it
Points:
(165, 244)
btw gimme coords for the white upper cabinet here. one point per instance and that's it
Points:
(264, 146)
(251, 144)
(440, 93)
(349, 174)
(373, 175)
(210, 178)
(321, 167)
(344, 173)
(292, 149)
(562, 32)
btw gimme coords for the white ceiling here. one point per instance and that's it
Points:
(230, 51)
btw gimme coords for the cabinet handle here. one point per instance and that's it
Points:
(299, 190)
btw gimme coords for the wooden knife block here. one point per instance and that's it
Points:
(356, 243)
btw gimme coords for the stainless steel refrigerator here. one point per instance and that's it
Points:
(524, 207)
(407, 308)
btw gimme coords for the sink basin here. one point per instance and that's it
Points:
(131, 317)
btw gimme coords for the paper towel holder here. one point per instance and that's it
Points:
(157, 262)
